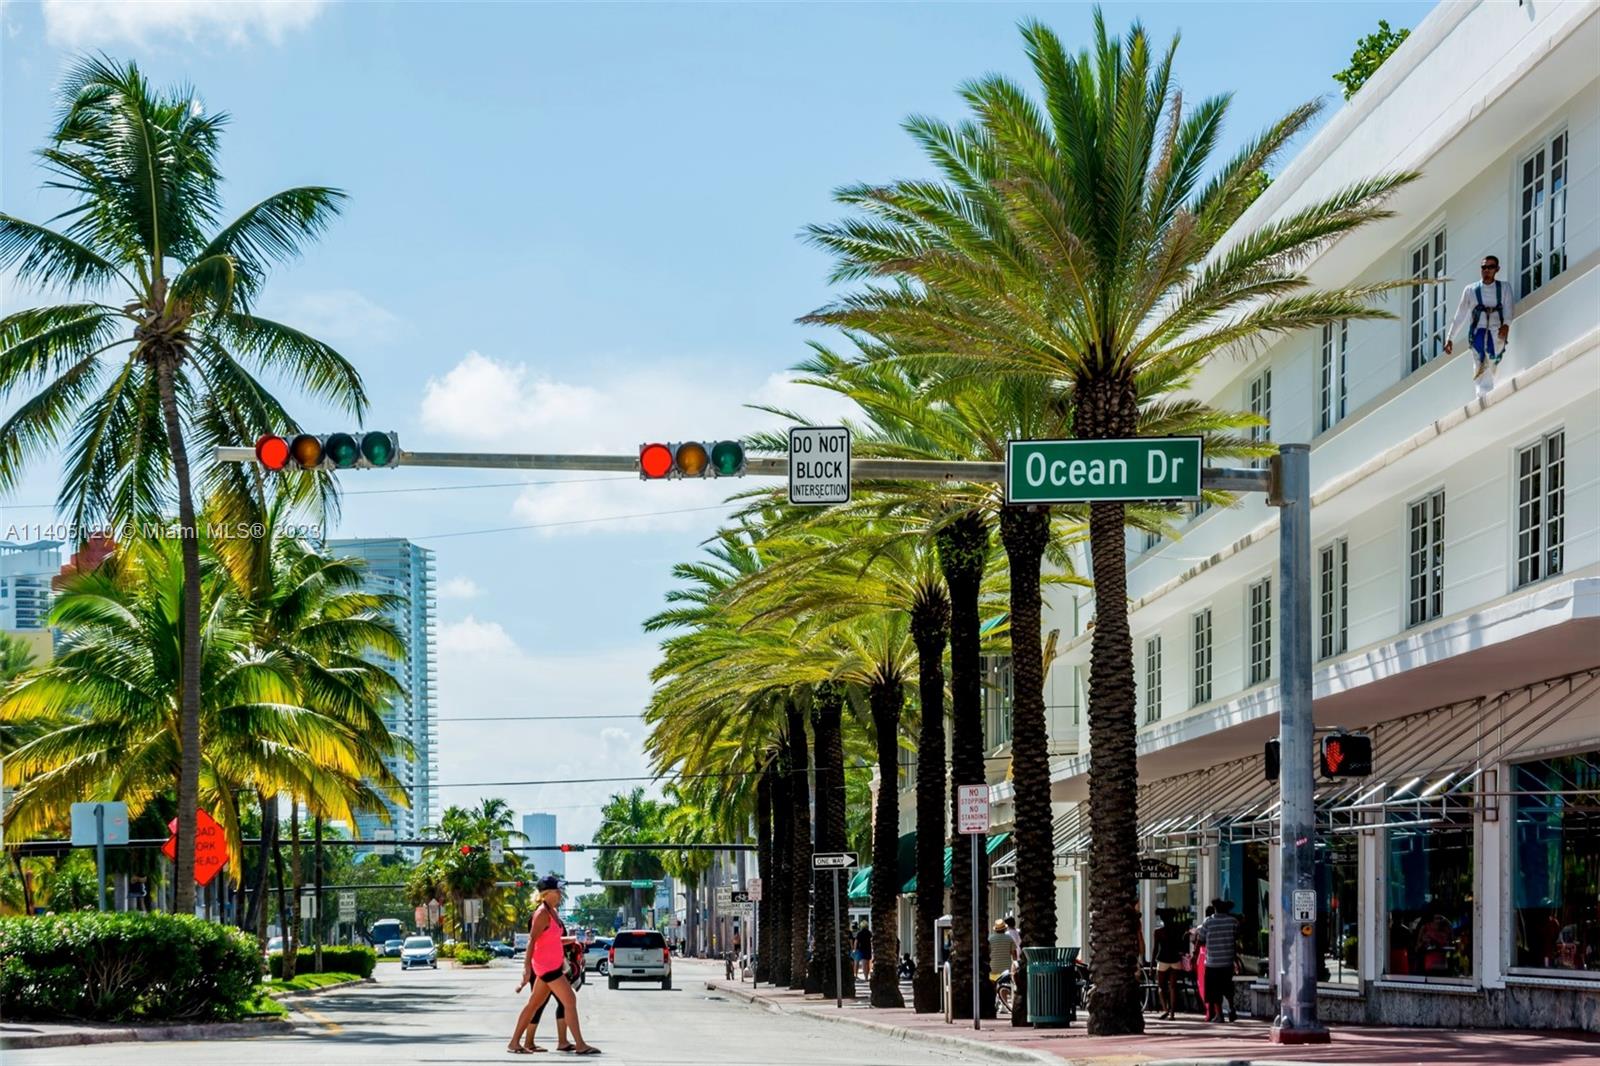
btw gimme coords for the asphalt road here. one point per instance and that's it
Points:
(460, 1016)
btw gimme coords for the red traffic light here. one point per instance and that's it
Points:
(272, 451)
(655, 461)
(466, 849)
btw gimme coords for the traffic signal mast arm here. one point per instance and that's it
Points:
(1229, 480)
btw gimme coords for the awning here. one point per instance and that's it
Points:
(994, 844)
(992, 624)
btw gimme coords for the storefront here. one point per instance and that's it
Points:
(1458, 885)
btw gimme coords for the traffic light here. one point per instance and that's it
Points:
(571, 847)
(1346, 755)
(1272, 759)
(334, 451)
(691, 459)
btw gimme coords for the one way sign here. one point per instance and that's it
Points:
(836, 860)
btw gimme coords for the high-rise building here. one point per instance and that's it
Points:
(398, 567)
(25, 574)
(540, 829)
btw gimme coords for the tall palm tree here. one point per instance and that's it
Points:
(630, 818)
(162, 346)
(1072, 240)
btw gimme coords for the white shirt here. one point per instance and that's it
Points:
(1492, 317)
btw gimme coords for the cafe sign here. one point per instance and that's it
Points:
(1157, 870)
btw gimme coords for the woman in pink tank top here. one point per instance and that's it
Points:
(544, 967)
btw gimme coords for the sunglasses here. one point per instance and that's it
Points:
(1491, 267)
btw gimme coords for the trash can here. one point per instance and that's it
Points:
(1052, 987)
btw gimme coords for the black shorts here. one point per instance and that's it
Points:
(548, 978)
(1219, 984)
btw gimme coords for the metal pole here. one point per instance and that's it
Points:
(316, 942)
(1296, 940)
(838, 947)
(100, 854)
(975, 930)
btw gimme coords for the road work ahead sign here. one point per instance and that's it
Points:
(819, 465)
(1075, 471)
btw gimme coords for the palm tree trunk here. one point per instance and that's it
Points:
(1109, 409)
(827, 730)
(799, 846)
(783, 865)
(259, 902)
(930, 628)
(291, 935)
(189, 696)
(1025, 532)
(886, 699)
(963, 553)
(765, 909)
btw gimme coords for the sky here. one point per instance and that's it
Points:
(575, 228)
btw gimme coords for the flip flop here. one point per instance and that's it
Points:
(590, 1050)
(518, 1051)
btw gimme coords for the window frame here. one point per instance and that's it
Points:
(1258, 631)
(1258, 401)
(1152, 679)
(1552, 509)
(1333, 404)
(1333, 598)
(1434, 554)
(1580, 978)
(1430, 303)
(1202, 658)
(1537, 274)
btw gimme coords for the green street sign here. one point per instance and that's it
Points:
(1078, 471)
(644, 884)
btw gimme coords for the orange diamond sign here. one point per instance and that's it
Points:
(210, 847)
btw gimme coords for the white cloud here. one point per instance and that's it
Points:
(459, 588)
(484, 672)
(338, 316)
(488, 403)
(95, 23)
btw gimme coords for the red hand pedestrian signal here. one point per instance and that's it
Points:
(1333, 755)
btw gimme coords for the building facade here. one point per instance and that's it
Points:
(1455, 567)
(398, 567)
(540, 829)
(26, 574)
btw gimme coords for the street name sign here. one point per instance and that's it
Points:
(836, 860)
(347, 906)
(1078, 471)
(819, 465)
(972, 808)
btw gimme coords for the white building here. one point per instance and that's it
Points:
(1456, 555)
(26, 571)
(398, 567)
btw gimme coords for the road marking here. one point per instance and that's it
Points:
(333, 1027)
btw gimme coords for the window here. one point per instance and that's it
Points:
(1259, 397)
(1541, 508)
(1425, 559)
(997, 690)
(1543, 212)
(1338, 901)
(1428, 311)
(1333, 588)
(1335, 342)
(1152, 679)
(1556, 864)
(1148, 540)
(1260, 620)
(1202, 657)
(1430, 896)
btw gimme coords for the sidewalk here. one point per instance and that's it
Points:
(17, 1036)
(1178, 1043)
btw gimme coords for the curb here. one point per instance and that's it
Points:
(999, 1053)
(303, 992)
(207, 1031)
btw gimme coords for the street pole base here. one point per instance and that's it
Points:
(1283, 1035)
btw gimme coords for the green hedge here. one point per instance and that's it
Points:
(447, 951)
(359, 961)
(472, 957)
(125, 967)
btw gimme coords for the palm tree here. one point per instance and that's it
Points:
(1074, 242)
(122, 376)
(628, 819)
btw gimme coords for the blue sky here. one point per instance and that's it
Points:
(574, 228)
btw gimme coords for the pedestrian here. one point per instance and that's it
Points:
(1167, 954)
(1011, 931)
(1220, 934)
(1489, 305)
(1198, 959)
(545, 968)
(864, 950)
(1002, 950)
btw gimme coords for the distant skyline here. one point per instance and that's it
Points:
(575, 228)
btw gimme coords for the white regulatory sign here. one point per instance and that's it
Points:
(753, 886)
(833, 860)
(972, 808)
(819, 465)
(347, 906)
(1305, 905)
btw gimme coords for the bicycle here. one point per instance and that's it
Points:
(1003, 991)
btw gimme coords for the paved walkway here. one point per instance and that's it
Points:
(1190, 1041)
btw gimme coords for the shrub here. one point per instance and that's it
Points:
(357, 960)
(447, 951)
(125, 967)
(472, 957)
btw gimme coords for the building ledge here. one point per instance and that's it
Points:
(1452, 988)
(1576, 984)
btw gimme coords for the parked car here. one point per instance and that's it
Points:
(639, 955)
(500, 949)
(275, 945)
(597, 955)
(392, 947)
(419, 951)
(519, 943)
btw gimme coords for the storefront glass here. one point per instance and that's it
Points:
(1556, 864)
(1430, 897)
(1247, 880)
(1175, 899)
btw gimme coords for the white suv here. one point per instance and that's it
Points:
(639, 955)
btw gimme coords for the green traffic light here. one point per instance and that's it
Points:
(727, 458)
(341, 450)
(377, 448)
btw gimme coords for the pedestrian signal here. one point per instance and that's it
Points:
(1346, 755)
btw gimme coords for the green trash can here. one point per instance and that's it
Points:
(1052, 987)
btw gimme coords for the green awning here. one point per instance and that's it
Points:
(906, 859)
(995, 842)
(992, 624)
(861, 885)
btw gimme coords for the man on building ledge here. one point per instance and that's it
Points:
(1488, 304)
